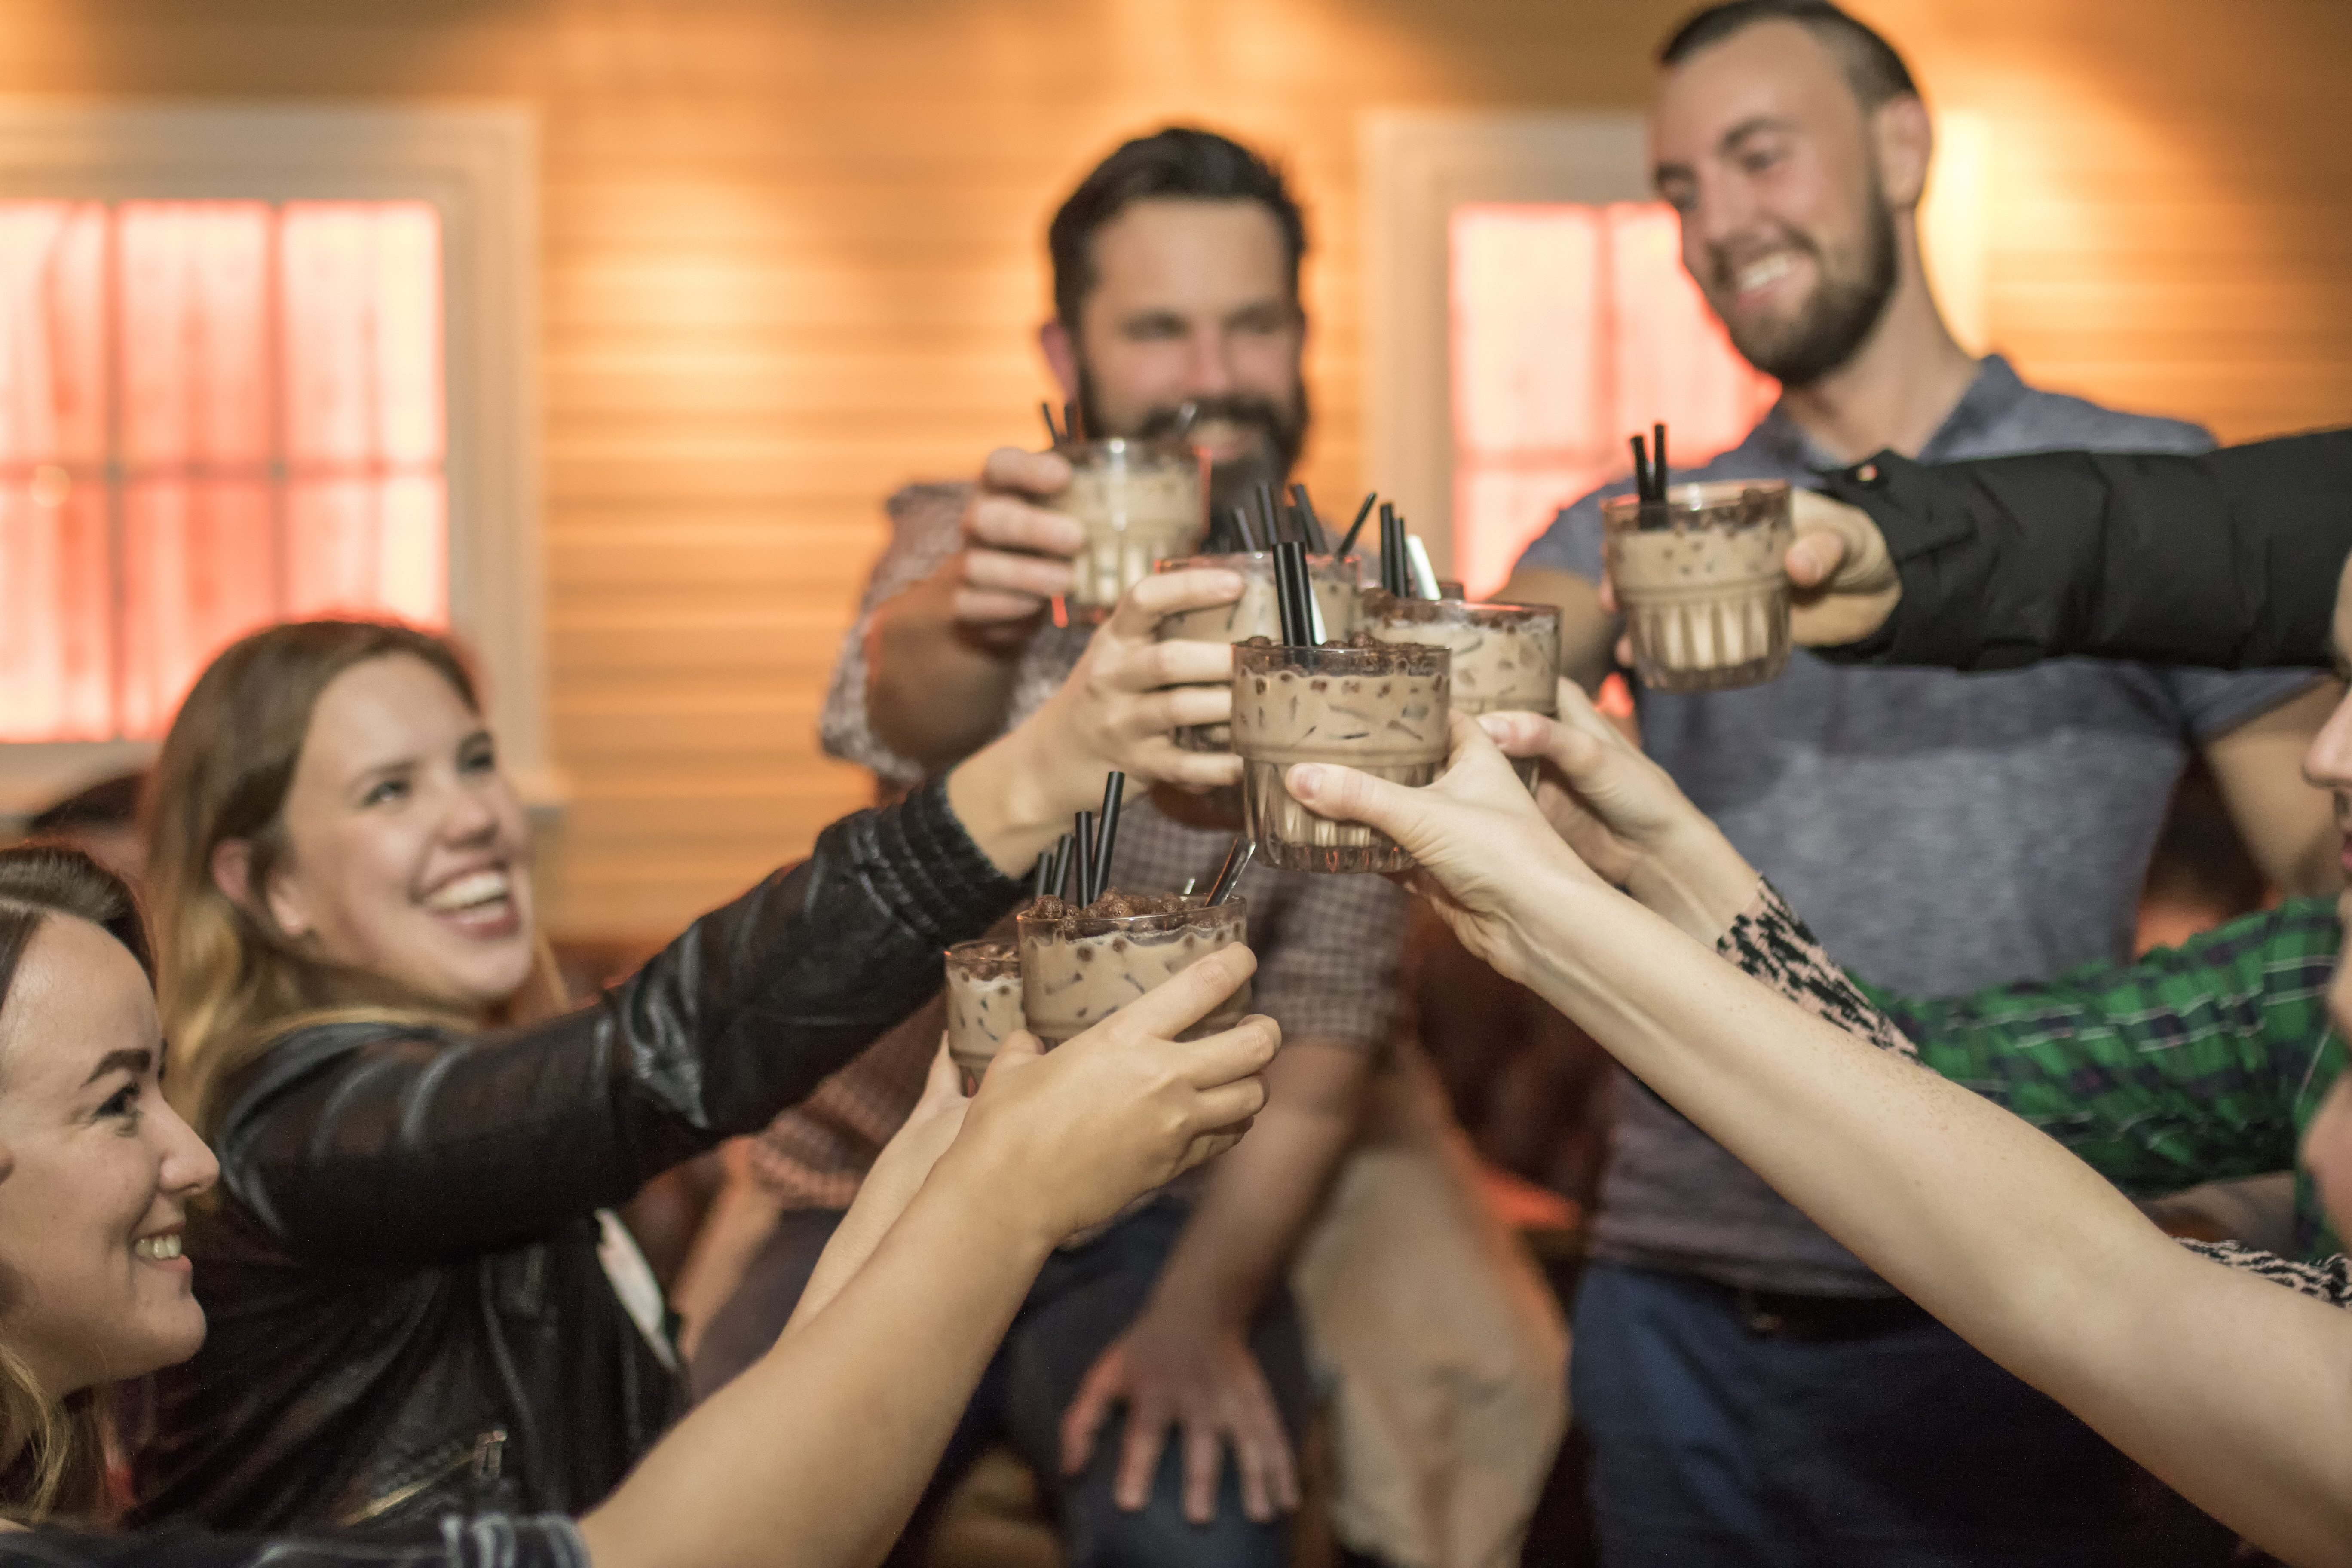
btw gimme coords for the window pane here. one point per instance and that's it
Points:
(1673, 360)
(361, 316)
(361, 546)
(277, 419)
(56, 576)
(199, 571)
(56, 666)
(1574, 326)
(195, 378)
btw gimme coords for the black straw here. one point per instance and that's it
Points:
(1641, 469)
(1269, 513)
(1318, 541)
(1292, 599)
(1084, 833)
(1052, 430)
(1108, 835)
(1393, 566)
(1229, 875)
(1357, 527)
(1242, 527)
(1658, 460)
(1058, 878)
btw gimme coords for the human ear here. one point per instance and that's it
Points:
(1060, 355)
(232, 870)
(1904, 141)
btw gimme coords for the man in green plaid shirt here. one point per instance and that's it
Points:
(2196, 1063)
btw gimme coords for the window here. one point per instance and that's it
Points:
(213, 415)
(295, 370)
(1574, 325)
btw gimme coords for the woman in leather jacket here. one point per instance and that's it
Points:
(814, 1459)
(417, 1298)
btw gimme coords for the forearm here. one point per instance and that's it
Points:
(872, 1390)
(400, 1148)
(2019, 1247)
(2229, 559)
(2287, 823)
(938, 689)
(1263, 1194)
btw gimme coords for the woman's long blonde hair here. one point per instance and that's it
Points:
(229, 984)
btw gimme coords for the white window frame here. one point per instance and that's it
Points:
(477, 165)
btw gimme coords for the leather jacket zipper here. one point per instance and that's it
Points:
(481, 1461)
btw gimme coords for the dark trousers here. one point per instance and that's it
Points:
(1084, 1299)
(1716, 1442)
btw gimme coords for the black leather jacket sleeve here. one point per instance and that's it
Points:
(2227, 559)
(489, 1541)
(378, 1147)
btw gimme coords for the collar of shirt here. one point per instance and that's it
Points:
(1996, 389)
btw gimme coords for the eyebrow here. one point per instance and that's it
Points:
(132, 1059)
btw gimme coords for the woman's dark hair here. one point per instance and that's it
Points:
(1180, 162)
(53, 1451)
(38, 880)
(1873, 68)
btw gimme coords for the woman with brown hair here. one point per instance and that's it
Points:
(417, 1301)
(814, 1459)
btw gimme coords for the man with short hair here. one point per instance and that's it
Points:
(1753, 1395)
(1176, 272)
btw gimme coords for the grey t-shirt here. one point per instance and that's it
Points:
(1941, 832)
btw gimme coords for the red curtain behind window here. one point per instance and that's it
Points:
(212, 414)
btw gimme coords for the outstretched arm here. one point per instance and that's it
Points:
(2231, 1389)
(814, 1457)
(2227, 559)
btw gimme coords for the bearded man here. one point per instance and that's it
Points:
(1753, 1395)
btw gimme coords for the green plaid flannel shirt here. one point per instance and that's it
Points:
(2194, 1064)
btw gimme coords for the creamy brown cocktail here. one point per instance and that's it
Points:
(1703, 583)
(1333, 581)
(1504, 656)
(1141, 502)
(984, 1004)
(1078, 967)
(1379, 707)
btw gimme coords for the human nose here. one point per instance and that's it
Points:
(1208, 366)
(2328, 764)
(1718, 210)
(189, 1165)
(472, 811)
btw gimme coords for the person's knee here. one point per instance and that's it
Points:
(1101, 1534)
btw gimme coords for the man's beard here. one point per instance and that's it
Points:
(1842, 312)
(1233, 481)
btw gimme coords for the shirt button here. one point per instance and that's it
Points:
(1867, 473)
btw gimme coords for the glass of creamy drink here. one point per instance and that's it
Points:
(984, 1003)
(1141, 502)
(1504, 656)
(1079, 965)
(1333, 580)
(1702, 580)
(1379, 707)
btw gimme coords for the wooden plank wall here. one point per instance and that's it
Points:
(792, 258)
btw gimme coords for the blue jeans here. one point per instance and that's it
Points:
(1084, 1299)
(1717, 1445)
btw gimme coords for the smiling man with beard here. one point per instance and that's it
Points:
(1753, 1393)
